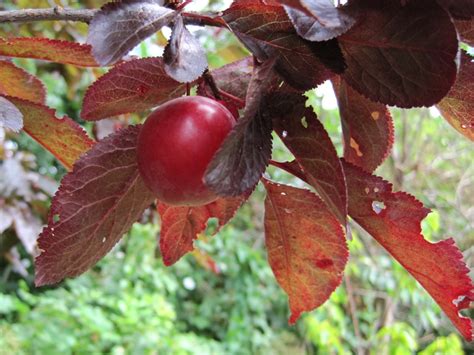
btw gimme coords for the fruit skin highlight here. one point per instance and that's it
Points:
(175, 146)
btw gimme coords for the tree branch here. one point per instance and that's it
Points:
(53, 14)
(59, 13)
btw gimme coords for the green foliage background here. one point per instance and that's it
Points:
(131, 304)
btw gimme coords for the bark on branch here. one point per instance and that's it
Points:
(85, 15)
(53, 14)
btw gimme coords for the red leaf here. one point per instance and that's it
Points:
(466, 31)
(458, 106)
(367, 127)
(62, 137)
(48, 49)
(180, 225)
(400, 55)
(133, 86)
(310, 144)
(17, 82)
(393, 219)
(95, 205)
(307, 249)
(268, 33)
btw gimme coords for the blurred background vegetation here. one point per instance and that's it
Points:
(222, 299)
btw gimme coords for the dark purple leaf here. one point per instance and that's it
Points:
(96, 204)
(317, 20)
(268, 33)
(119, 26)
(133, 86)
(400, 55)
(10, 116)
(240, 162)
(184, 57)
(459, 9)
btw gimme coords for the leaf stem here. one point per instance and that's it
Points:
(236, 99)
(212, 84)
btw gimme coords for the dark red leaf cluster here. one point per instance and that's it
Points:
(376, 53)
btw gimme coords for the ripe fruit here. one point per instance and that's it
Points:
(176, 144)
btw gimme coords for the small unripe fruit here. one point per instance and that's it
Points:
(177, 143)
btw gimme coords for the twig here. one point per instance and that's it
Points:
(59, 13)
(53, 14)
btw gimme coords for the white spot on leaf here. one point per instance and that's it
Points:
(378, 206)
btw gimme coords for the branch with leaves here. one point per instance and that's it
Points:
(296, 46)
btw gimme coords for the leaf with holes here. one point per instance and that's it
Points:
(309, 142)
(306, 246)
(367, 127)
(243, 156)
(458, 106)
(180, 225)
(119, 26)
(62, 137)
(393, 219)
(95, 205)
(17, 82)
(317, 20)
(133, 86)
(184, 57)
(268, 33)
(400, 55)
(10, 116)
(48, 49)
